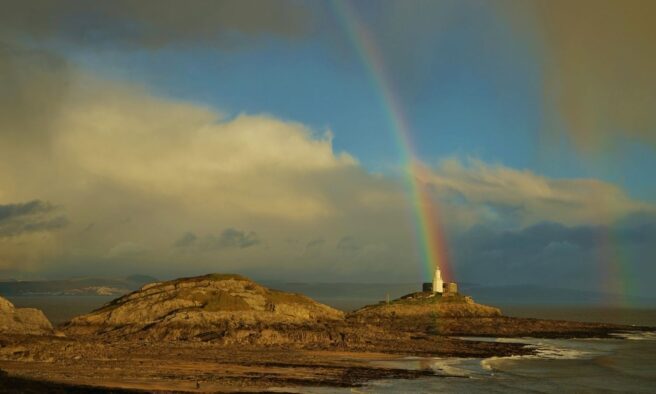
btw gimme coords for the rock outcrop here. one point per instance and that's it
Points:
(226, 308)
(420, 314)
(22, 320)
(428, 304)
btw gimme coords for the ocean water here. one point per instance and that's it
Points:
(622, 365)
(588, 313)
(59, 309)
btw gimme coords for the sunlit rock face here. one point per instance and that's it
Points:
(230, 308)
(22, 320)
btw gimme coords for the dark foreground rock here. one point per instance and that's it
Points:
(19, 385)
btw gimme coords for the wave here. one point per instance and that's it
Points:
(637, 335)
(545, 349)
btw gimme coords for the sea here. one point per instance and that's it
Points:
(621, 365)
(625, 364)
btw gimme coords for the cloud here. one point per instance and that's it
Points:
(348, 244)
(140, 167)
(126, 250)
(186, 240)
(591, 257)
(314, 248)
(29, 233)
(29, 217)
(231, 238)
(476, 192)
(147, 145)
(316, 243)
(33, 84)
(153, 23)
(11, 211)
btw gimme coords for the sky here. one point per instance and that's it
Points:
(172, 139)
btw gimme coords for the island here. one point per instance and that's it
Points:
(227, 333)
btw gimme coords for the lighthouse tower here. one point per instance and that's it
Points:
(438, 284)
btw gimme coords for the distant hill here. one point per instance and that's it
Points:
(75, 286)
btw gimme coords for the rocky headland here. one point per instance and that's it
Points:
(458, 315)
(227, 333)
(429, 304)
(226, 308)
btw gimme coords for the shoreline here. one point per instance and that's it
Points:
(226, 333)
(83, 364)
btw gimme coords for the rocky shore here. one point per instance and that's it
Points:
(228, 333)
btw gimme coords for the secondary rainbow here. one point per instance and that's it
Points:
(428, 228)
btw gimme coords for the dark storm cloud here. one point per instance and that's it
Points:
(12, 211)
(152, 23)
(236, 238)
(229, 238)
(29, 217)
(556, 255)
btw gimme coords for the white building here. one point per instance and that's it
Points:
(438, 284)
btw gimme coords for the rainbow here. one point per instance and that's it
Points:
(428, 230)
(614, 265)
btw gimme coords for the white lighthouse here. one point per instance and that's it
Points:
(438, 284)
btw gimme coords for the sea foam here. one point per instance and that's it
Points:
(637, 335)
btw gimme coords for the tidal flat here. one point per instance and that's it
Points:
(87, 364)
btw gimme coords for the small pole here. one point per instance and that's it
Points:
(388, 298)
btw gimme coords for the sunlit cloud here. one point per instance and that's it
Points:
(481, 192)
